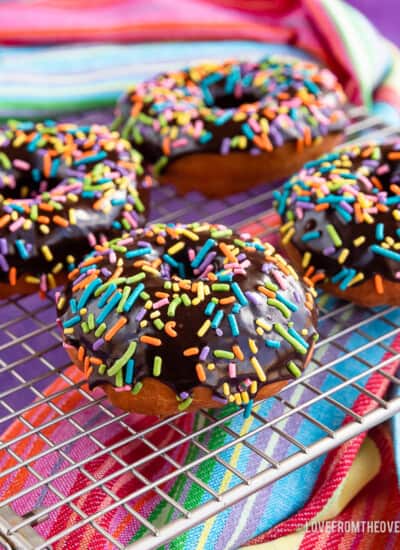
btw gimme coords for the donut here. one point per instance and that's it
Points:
(178, 317)
(341, 222)
(62, 187)
(223, 128)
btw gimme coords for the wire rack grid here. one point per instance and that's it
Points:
(31, 359)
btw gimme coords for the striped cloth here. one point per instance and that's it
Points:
(48, 80)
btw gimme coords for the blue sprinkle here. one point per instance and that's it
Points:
(54, 167)
(393, 200)
(298, 337)
(380, 232)
(71, 322)
(236, 308)
(205, 137)
(133, 297)
(233, 324)
(340, 275)
(217, 319)
(94, 158)
(32, 144)
(345, 282)
(287, 302)
(248, 408)
(22, 251)
(88, 292)
(310, 235)
(36, 175)
(202, 253)
(130, 367)
(385, 252)
(116, 225)
(138, 252)
(272, 344)
(248, 132)
(210, 308)
(239, 294)
(108, 308)
(223, 118)
(107, 293)
(73, 306)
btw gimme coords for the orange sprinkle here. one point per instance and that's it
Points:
(378, 281)
(358, 213)
(86, 281)
(366, 152)
(395, 188)
(81, 353)
(43, 219)
(116, 273)
(86, 364)
(169, 329)
(4, 220)
(12, 276)
(394, 155)
(238, 352)
(307, 136)
(145, 339)
(160, 239)
(309, 271)
(161, 295)
(137, 107)
(227, 253)
(91, 261)
(98, 205)
(321, 206)
(227, 300)
(299, 145)
(201, 375)
(211, 276)
(318, 277)
(191, 351)
(377, 182)
(46, 206)
(60, 221)
(166, 146)
(46, 165)
(96, 361)
(73, 274)
(266, 292)
(115, 328)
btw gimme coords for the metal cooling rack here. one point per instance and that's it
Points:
(40, 344)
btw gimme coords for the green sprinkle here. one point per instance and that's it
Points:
(271, 286)
(294, 343)
(125, 295)
(279, 305)
(335, 238)
(293, 369)
(137, 387)
(145, 295)
(119, 363)
(100, 329)
(185, 404)
(157, 365)
(85, 327)
(223, 354)
(119, 379)
(220, 287)
(91, 324)
(102, 368)
(219, 234)
(172, 307)
(105, 285)
(134, 278)
(186, 300)
(158, 324)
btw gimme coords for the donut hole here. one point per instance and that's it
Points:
(231, 101)
(182, 267)
(310, 225)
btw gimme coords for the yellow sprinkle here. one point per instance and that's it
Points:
(200, 290)
(258, 368)
(390, 241)
(148, 304)
(32, 280)
(231, 399)
(306, 259)
(176, 248)
(286, 239)
(143, 324)
(238, 399)
(253, 346)
(61, 302)
(261, 323)
(51, 280)
(72, 217)
(204, 328)
(27, 225)
(225, 388)
(44, 229)
(190, 235)
(57, 268)
(46, 253)
(254, 387)
(211, 366)
(69, 330)
(359, 277)
(155, 314)
(175, 287)
(368, 218)
(70, 259)
(259, 331)
(196, 301)
(396, 215)
(343, 255)
(245, 397)
(150, 269)
(72, 198)
(359, 241)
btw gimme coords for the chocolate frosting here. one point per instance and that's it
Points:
(228, 107)
(63, 187)
(201, 306)
(356, 235)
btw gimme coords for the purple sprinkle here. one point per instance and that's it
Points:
(219, 399)
(141, 314)
(106, 272)
(3, 263)
(225, 146)
(3, 246)
(219, 332)
(184, 395)
(97, 344)
(204, 353)
(329, 250)
(253, 297)
(255, 151)
(207, 260)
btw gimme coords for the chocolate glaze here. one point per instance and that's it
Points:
(375, 175)
(217, 102)
(179, 370)
(26, 185)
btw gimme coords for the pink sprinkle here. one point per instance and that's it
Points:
(279, 279)
(92, 239)
(124, 388)
(21, 164)
(160, 303)
(365, 181)
(43, 283)
(397, 274)
(17, 224)
(179, 143)
(254, 125)
(123, 242)
(382, 169)
(232, 370)
(130, 219)
(191, 254)
(67, 346)
(207, 270)
(57, 295)
(112, 257)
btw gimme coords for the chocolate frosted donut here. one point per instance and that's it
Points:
(341, 217)
(62, 187)
(179, 317)
(222, 128)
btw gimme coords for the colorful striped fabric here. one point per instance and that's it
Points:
(51, 80)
